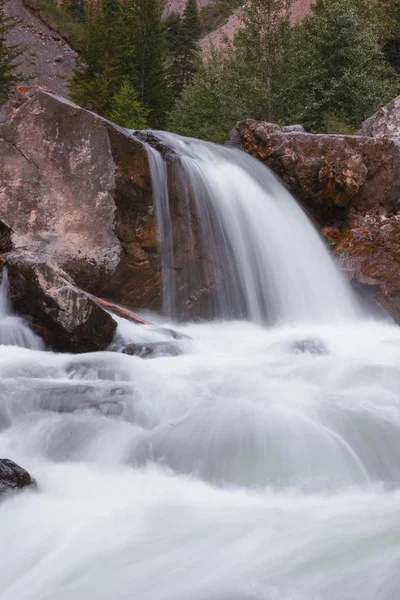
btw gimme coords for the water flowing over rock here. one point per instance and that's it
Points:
(351, 186)
(13, 477)
(64, 316)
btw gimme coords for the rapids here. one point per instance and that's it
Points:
(261, 464)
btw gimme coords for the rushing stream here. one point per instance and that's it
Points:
(261, 464)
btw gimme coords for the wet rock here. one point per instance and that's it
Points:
(331, 175)
(172, 333)
(153, 350)
(13, 477)
(369, 252)
(385, 123)
(350, 185)
(65, 317)
(309, 347)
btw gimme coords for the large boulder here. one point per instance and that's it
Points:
(13, 477)
(385, 123)
(351, 186)
(63, 315)
(76, 190)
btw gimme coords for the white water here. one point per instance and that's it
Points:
(13, 330)
(275, 267)
(262, 464)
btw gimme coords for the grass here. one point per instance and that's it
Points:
(59, 20)
(215, 15)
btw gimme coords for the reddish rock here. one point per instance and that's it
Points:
(351, 185)
(331, 175)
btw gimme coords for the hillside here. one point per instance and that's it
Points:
(48, 59)
(227, 30)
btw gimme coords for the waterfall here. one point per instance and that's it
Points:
(257, 463)
(13, 329)
(267, 261)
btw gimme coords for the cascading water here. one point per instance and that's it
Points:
(13, 330)
(261, 464)
(269, 262)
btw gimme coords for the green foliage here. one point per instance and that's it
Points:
(328, 72)
(148, 43)
(126, 109)
(335, 67)
(76, 8)
(185, 57)
(389, 20)
(220, 94)
(60, 20)
(8, 56)
(105, 60)
(242, 81)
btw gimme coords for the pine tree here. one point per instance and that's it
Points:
(147, 39)
(8, 56)
(335, 70)
(106, 58)
(126, 110)
(261, 44)
(186, 60)
(76, 8)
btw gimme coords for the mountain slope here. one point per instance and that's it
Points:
(48, 60)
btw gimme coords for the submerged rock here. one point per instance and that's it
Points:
(153, 350)
(310, 347)
(13, 477)
(64, 316)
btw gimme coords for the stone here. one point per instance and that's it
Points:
(385, 123)
(329, 174)
(76, 189)
(66, 318)
(315, 347)
(13, 477)
(153, 350)
(350, 186)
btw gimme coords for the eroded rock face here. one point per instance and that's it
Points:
(385, 123)
(13, 477)
(77, 190)
(331, 175)
(351, 186)
(64, 316)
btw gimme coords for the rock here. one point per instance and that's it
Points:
(13, 477)
(351, 186)
(64, 316)
(76, 190)
(59, 59)
(153, 350)
(329, 174)
(385, 123)
(310, 347)
(293, 129)
(368, 250)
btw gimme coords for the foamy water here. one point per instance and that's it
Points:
(245, 468)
